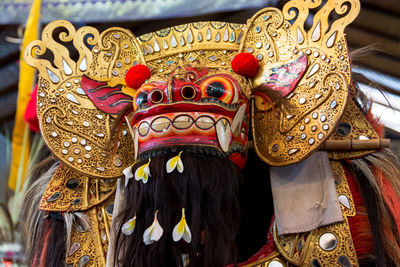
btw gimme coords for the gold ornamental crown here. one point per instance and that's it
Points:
(284, 131)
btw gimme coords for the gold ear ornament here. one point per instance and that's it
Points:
(308, 70)
(76, 131)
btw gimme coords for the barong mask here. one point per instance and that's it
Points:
(201, 87)
(298, 94)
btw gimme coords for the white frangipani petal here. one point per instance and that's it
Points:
(128, 174)
(175, 162)
(143, 172)
(181, 230)
(154, 232)
(146, 170)
(179, 165)
(129, 226)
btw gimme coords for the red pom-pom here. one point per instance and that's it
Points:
(137, 75)
(245, 64)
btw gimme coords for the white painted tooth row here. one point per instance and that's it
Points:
(180, 122)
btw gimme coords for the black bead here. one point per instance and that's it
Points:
(72, 183)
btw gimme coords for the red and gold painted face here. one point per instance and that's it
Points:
(193, 107)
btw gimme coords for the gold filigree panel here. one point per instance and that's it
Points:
(88, 246)
(325, 246)
(353, 126)
(274, 259)
(70, 190)
(297, 124)
(75, 130)
(208, 37)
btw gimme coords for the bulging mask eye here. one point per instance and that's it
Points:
(147, 95)
(215, 89)
(218, 87)
(140, 99)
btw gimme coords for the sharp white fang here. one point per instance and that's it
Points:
(136, 142)
(235, 98)
(224, 134)
(135, 137)
(237, 120)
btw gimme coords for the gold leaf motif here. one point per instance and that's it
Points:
(308, 115)
(72, 116)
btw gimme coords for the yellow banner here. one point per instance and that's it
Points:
(20, 137)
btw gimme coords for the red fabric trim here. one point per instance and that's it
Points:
(31, 113)
(378, 127)
(390, 196)
(43, 255)
(359, 224)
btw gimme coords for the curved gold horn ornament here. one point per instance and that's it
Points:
(299, 122)
(76, 131)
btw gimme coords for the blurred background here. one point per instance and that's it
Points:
(377, 27)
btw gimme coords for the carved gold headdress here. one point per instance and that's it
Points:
(193, 99)
(309, 69)
(306, 116)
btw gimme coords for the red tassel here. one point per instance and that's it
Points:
(378, 127)
(359, 224)
(390, 197)
(137, 75)
(31, 113)
(43, 254)
(245, 64)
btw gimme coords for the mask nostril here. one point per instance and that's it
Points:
(188, 92)
(156, 96)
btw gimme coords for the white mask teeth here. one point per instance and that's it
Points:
(204, 122)
(224, 134)
(160, 124)
(182, 122)
(237, 120)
